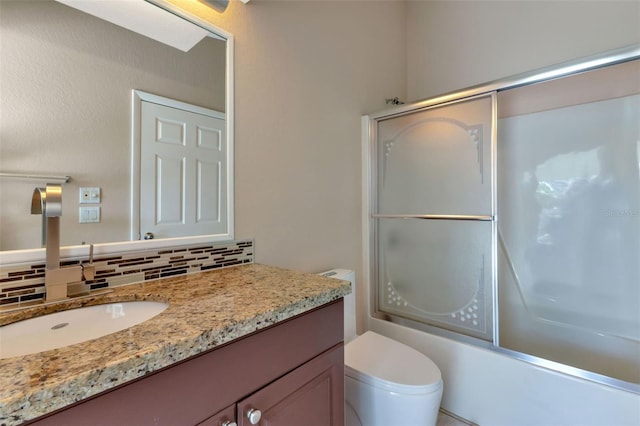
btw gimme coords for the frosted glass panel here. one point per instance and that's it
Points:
(437, 161)
(569, 191)
(437, 272)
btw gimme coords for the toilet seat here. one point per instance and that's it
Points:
(382, 362)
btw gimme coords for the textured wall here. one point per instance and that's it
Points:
(456, 44)
(305, 72)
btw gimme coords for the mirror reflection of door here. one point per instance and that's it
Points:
(182, 176)
(47, 48)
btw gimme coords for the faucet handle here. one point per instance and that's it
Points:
(89, 269)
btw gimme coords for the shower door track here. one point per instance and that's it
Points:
(484, 218)
(531, 359)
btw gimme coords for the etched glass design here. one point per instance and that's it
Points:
(436, 161)
(437, 270)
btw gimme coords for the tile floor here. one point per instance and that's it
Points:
(446, 419)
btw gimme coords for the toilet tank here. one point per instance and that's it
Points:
(349, 301)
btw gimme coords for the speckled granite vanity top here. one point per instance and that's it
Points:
(205, 310)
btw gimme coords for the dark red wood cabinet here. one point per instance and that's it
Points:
(291, 373)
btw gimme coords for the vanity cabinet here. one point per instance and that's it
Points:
(292, 372)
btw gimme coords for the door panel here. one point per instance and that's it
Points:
(182, 177)
(169, 190)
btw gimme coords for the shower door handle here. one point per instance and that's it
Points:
(486, 218)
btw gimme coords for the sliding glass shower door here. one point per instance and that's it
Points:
(509, 217)
(434, 216)
(569, 229)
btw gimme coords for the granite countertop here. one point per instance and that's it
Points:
(205, 310)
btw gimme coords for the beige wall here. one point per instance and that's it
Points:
(456, 44)
(305, 73)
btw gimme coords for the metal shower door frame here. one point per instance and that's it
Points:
(373, 203)
(369, 201)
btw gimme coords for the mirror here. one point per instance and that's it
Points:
(67, 82)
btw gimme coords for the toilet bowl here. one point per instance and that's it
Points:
(387, 383)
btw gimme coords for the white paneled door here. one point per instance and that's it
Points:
(182, 176)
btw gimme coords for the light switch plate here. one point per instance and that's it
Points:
(90, 195)
(89, 214)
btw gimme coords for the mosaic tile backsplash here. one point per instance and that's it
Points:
(25, 283)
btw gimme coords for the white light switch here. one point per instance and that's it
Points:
(90, 195)
(89, 214)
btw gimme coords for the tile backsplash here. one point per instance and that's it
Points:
(25, 282)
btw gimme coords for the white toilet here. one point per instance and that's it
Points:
(387, 383)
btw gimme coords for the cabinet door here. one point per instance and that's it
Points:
(226, 417)
(311, 395)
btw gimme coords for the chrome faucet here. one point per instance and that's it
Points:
(48, 202)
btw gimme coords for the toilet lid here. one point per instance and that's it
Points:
(384, 362)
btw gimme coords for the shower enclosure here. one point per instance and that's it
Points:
(508, 216)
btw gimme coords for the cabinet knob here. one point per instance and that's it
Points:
(254, 416)
(229, 423)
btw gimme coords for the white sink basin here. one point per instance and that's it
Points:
(73, 326)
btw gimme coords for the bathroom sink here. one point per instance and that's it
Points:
(73, 326)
